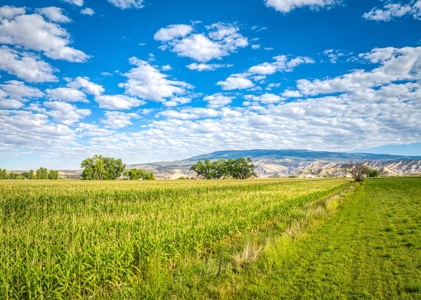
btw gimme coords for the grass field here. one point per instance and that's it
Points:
(121, 239)
(369, 249)
(258, 239)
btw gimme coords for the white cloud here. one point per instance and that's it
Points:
(394, 10)
(117, 120)
(8, 12)
(146, 82)
(123, 4)
(10, 104)
(176, 101)
(66, 95)
(18, 90)
(291, 94)
(266, 98)
(395, 64)
(207, 67)
(333, 55)
(218, 100)
(25, 66)
(87, 11)
(190, 113)
(166, 68)
(65, 113)
(118, 102)
(54, 14)
(282, 64)
(286, 6)
(172, 32)
(75, 2)
(85, 129)
(258, 73)
(255, 47)
(106, 74)
(34, 33)
(221, 40)
(236, 81)
(88, 86)
(273, 85)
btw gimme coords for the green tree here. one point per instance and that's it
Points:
(239, 168)
(31, 174)
(4, 174)
(373, 173)
(102, 168)
(204, 169)
(136, 174)
(53, 175)
(42, 173)
(11, 175)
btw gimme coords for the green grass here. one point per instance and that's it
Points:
(258, 239)
(120, 239)
(369, 249)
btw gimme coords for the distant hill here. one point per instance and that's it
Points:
(282, 163)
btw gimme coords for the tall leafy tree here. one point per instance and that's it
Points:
(4, 174)
(53, 175)
(239, 168)
(42, 173)
(136, 174)
(102, 168)
(31, 174)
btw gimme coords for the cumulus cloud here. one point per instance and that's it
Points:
(8, 12)
(176, 101)
(282, 64)
(172, 32)
(166, 68)
(266, 98)
(87, 86)
(117, 120)
(395, 64)
(286, 6)
(123, 4)
(394, 10)
(54, 14)
(34, 33)
(65, 113)
(18, 90)
(146, 82)
(236, 82)
(207, 67)
(220, 40)
(291, 94)
(258, 73)
(75, 2)
(87, 11)
(218, 100)
(66, 95)
(117, 102)
(25, 66)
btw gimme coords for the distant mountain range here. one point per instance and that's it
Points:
(282, 163)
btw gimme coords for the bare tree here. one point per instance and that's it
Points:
(358, 170)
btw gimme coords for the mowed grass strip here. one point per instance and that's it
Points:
(368, 249)
(86, 239)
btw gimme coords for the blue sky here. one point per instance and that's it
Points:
(153, 80)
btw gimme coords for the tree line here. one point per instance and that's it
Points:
(240, 168)
(40, 174)
(99, 167)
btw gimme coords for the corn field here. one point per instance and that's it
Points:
(76, 239)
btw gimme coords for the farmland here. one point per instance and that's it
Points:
(211, 239)
(92, 239)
